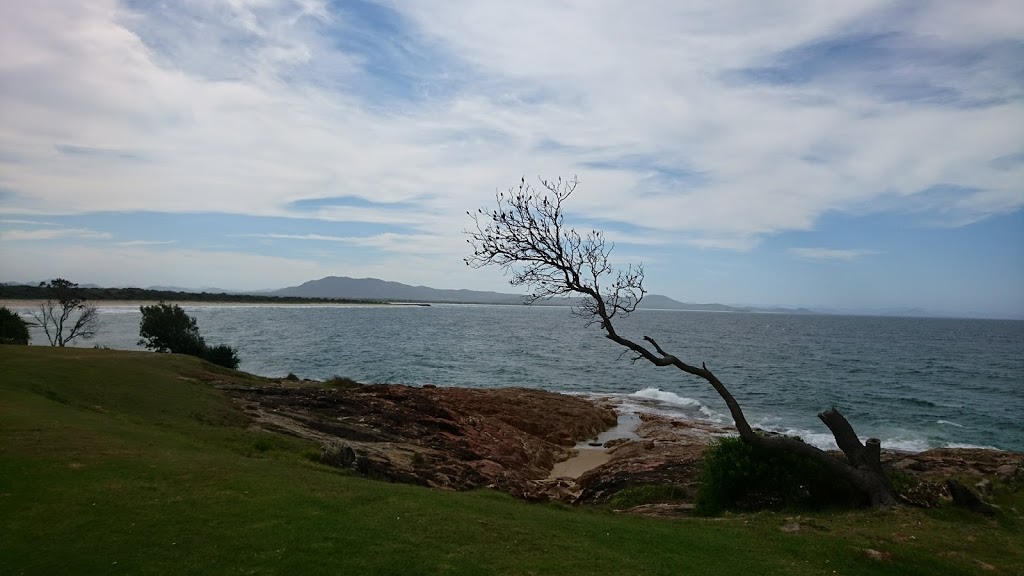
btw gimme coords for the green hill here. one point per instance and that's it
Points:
(117, 462)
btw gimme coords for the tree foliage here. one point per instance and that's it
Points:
(526, 236)
(222, 354)
(65, 315)
(97, 294)
(168, 328)
(13, 328)
(740, 476)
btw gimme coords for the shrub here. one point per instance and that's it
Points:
(738, 476)
(13, 328)
(222, 355)
(167, 328)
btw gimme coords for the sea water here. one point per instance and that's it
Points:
(916, 383)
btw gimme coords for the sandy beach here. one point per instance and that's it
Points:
(587, 459)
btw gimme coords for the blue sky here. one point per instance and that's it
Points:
(856, 155)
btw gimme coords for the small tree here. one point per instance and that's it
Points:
(13, 328)
(65, 315)
(167, 328)
(527, 237)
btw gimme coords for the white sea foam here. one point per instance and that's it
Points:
(906, 444)
(948, 423)
(671, 399)
(826, 441)
(667, 397)
(959, 445)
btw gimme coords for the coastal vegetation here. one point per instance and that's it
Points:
(739, 476)
(168, 328)
(65, 314)
(527, 237)
(130, 462)
(26, 292)
(13, 328)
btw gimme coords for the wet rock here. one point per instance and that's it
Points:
(953, 462)
(668, 453)
(1009, 472)
(449, 438)
(510, 438)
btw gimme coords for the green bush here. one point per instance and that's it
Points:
(222, 355)
(738, 476)
(167, 328)
(13, 328)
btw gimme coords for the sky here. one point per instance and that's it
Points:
(847, 155)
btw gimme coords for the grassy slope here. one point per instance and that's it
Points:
(128, 462)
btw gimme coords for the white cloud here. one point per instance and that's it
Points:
(111, 108)
(125, 265)
(17, 222)
(146, 242)
(629, 81)
(53, 234)
(830, 253)
(388, 242)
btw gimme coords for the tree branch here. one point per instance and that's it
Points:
(525, 236)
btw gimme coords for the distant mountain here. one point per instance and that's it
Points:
(209, 289)
(897, 312)
(374, 289)
(656, 302)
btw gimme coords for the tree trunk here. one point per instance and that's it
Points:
(863, 468)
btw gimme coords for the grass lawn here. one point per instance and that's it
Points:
(115, 462)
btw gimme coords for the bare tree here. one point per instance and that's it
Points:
(65, 315)
(526, 236)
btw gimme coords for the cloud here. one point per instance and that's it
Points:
(146, 242)
(18, 222)
(114, 265)
(830, 253)
(387, 242)
(53, 234)
(710, 124)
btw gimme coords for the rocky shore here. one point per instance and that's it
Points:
(534, 444)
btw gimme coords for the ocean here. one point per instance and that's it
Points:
(916, 383)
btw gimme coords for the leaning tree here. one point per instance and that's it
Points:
(526, 236)
(65, 315)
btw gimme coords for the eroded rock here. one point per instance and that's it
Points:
(449, 438)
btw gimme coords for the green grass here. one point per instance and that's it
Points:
(118, 462)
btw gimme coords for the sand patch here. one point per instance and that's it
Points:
(585, 459)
